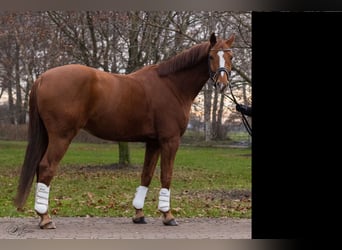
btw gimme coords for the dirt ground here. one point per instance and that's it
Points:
(123, 228)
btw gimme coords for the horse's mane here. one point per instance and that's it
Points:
(184, 60)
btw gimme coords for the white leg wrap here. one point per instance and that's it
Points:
(42, 198)
(139, 198)
(164, 200)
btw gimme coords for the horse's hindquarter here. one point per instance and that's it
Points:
(64, 97)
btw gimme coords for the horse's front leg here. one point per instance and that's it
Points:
(168, 154)
(151, 158)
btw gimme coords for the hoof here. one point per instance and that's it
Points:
(49, 225)
(171, 222)
(139, 220)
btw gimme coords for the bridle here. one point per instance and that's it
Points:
(213, 75)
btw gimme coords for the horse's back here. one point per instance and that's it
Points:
(110, 106)
(137, 106)
(68, 76)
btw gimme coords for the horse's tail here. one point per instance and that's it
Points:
(36, 147)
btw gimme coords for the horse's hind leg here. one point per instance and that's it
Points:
(151, 158)
(47, 168)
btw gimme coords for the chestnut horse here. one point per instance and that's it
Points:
(150, 105)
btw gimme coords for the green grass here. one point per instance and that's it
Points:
(207, 182)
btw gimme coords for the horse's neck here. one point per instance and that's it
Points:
(190, 81)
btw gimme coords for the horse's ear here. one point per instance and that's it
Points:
(212, 39)
(230, 40)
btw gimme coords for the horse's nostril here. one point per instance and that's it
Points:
(222, 86)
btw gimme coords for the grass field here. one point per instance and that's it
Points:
(207, 182)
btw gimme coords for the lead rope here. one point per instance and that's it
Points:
(244, 119)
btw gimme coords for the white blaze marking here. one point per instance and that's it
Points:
(222, 61)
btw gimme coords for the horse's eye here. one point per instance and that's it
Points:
(211, 57)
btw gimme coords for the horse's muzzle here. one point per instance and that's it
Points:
(221, 86)
(221, 82)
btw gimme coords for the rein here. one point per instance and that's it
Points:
(244, 119)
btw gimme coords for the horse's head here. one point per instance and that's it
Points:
(220, 61)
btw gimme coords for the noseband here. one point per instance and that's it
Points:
(213, 74)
